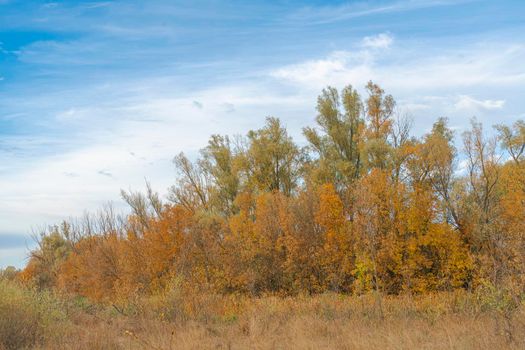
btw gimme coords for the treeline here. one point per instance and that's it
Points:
(364, 207)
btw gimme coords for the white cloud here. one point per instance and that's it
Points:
(339, 67)
(68, 114)
(466, 102)
(473, 66)
(380, 41)
(426, 83)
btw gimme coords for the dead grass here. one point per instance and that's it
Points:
(443, 321)
(27, 317)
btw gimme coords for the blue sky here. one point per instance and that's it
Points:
(96, 96)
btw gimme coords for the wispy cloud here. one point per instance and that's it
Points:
(347, 11)
(339, 67)
(475, 66)
(379, 41)
(471, 104)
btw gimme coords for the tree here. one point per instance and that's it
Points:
(9, 273)
(513, 139)
(337, 259)
(433, 164)
(379, 112)
(92, 269)
(44, 262)
(435, 256)
(303, 244)
(512, 204)
(193, 188)
(377, 248)
(484, 171)
(273, 161)
(338, 143)
(219, 163)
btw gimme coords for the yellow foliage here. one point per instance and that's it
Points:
(363, 207)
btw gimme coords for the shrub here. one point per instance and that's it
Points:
(27, 318)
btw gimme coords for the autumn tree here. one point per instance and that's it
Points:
(365, 207)
(272, 161)
(304, 266)
(379, 111)
(92, 270)
(193, 184)
(435, 256)
(10, 273)
(53, 247)
(512, 203)
(337, 260)
(338, 141)
(257, 236)
(513, 139)
(483, 177)
(377, 249)
(220, 163)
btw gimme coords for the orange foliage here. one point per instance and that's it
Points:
(393, 216)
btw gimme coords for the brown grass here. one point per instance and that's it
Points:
(27, 317)
(444, 321)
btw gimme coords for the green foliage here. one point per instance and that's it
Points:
(492, 298)
(338, 144)
(27, 317)
(54, 245)
(220, 163)
(512, 138)
(272, 161)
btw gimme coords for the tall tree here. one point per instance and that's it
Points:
(219, 162)
(513, 139)
(272, 162)
(193, 186)
(379, 112)
(484, 171)
(338, 142)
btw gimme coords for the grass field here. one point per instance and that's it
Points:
(330, 321)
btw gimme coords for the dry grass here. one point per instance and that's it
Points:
(27, 317)
(41, 320)
(445, 321)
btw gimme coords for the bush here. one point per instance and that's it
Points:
(19, 328)
(27, 318)
(9, 273)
